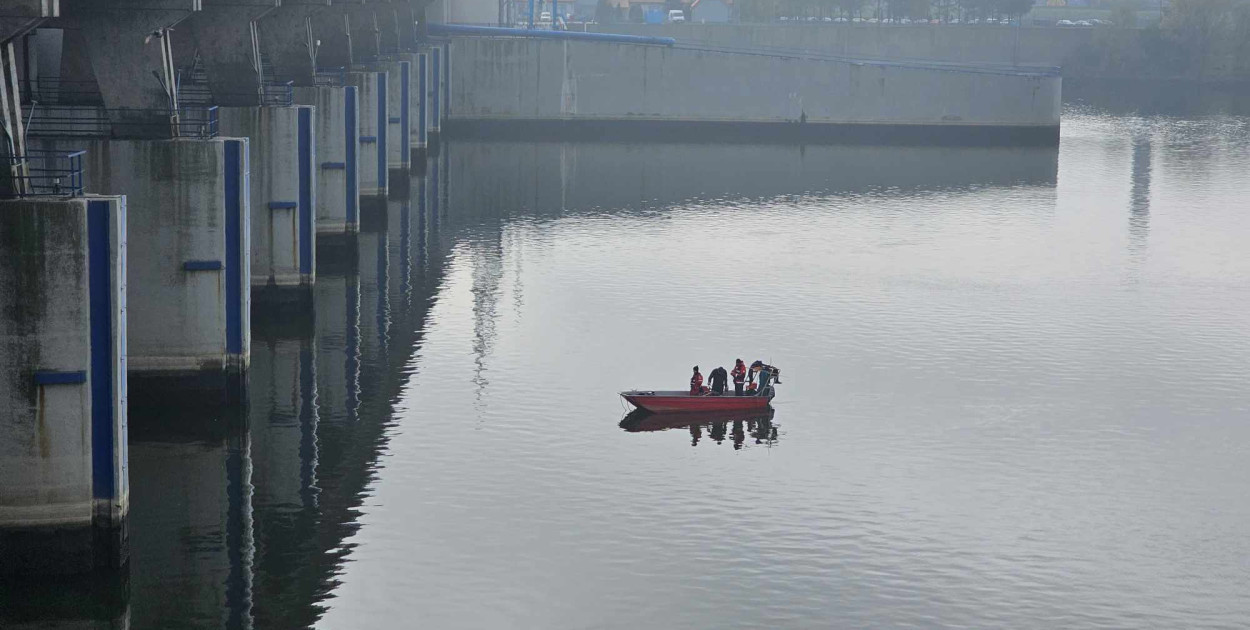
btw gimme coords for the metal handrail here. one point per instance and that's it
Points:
(44, 173)
(330, 77)
(273, 94)
(98, 122)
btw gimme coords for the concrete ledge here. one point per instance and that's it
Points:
(751, 132)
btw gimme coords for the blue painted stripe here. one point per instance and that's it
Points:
(306, 176)
(70, 378)
(283, 205)
(204, 265)
(383, 168)
(333, 166)
(100, 294)
(395, 121)
(436, 90)
(405, 102)
(423, 68)
(234, 246)
(368, 139)
(352, 131)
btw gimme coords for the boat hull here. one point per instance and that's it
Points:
(682, 402)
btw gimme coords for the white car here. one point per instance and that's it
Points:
(1065, 23)
(545, 16)
(676, 15)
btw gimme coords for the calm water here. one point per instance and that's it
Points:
(1015, 395)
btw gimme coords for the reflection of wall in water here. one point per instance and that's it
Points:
(501, 177)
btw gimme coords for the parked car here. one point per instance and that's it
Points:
(545, 16)
(676, 15)
(1065, 23)
(1083, 23)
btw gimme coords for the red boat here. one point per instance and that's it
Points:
(676, 402)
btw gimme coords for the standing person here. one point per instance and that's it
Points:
(717, 379)
(696, 382)
(739, 373)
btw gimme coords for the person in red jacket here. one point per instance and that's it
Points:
(739, 373)
(696, 382)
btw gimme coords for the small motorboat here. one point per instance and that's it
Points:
(686, 401)
(679, 401)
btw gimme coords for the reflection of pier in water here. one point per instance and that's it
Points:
(736, 426)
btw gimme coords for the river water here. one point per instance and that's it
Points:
(1014, 395)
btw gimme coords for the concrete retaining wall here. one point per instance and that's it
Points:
(283, 194)
(63, 458)
(419, 103)
(371, 90)
(188, 208)
(335, 128)
(956, 43)
(544, 81)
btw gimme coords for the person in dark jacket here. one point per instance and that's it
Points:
(718, 378)
(739, 373)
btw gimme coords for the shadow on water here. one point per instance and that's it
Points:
(240, 516)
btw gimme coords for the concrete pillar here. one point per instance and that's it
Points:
(126, 46)
(189, 206)
(371, 89)
(420, 110)
(399, 120)
(288, 39)
(223, 40)
(435, 93)
(65, 497)
(283, 195)
(337, 199)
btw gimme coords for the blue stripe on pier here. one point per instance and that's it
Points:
(100, 295)
(234, 246)
(306, 209)
(352, 131)
(72, 378)
(204, 265)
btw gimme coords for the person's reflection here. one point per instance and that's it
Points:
(717, 431)
(696, 432)
(739, 435)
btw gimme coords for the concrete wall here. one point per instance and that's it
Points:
(520, 79)
(63, 457)
(955, 43)
(188, 209)
(335, 128)
(282, 153)
(371, 89)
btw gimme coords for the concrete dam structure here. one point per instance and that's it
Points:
(179, 173)
(549, 87)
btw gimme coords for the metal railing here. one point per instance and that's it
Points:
(332, 77)
(273, 94)
(54, 91)
(43, 173)
(98, 122)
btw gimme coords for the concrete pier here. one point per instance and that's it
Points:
(420, 111)
(435, 94)
(371, 88)
(399, 119)
(283, 195)
(64, 501)
(337, 136)
(188, 207)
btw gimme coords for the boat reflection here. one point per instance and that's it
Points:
(738, 426)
